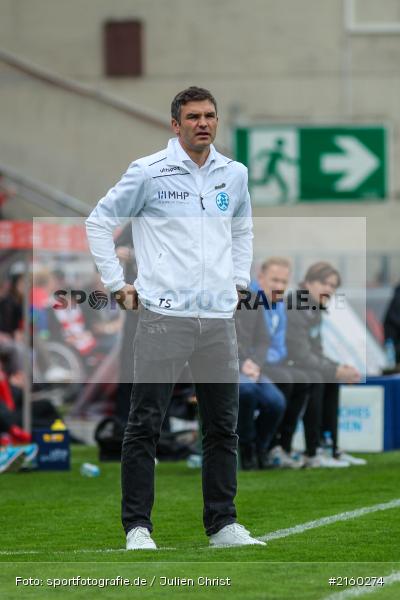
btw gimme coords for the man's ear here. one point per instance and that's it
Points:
(175, 126)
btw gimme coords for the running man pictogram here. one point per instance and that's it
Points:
(275, 157)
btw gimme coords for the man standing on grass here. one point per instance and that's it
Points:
(192, 233)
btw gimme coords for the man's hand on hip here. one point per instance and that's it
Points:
(127, 297)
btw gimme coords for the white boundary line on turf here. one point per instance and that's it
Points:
(360, 590)
(273, 535)
(81, 551)
(345, 516)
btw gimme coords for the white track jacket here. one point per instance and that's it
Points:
(192, 237)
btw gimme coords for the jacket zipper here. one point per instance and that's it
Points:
(202, 243)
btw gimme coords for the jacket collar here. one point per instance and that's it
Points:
(176, 156)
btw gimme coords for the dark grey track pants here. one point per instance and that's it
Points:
(162, 346)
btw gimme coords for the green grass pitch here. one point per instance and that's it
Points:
(63, 525)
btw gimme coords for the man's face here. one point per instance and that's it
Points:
(198, 125)
(321, 291)
(274, 282)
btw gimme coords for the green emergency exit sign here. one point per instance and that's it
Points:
(293, 163)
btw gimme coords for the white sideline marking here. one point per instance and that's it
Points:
(345, 516)
(81, 551)
(361, 590)
(273, 535)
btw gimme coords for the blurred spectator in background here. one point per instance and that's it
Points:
(68, 319)
(126, 255)
(9, 421)
(105, 322)
(12, 350)
(11, 304)
(391, 323)
(11, 326)
(305, 309)
(294, 382)
(256, 392)
(57, 319)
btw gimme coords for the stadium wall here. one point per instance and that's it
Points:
(286, 61)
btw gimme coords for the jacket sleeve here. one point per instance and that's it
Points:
(242, 236)
(252, 334)
(305, 352)
(124, 201)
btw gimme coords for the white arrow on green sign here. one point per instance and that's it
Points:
(355, 163)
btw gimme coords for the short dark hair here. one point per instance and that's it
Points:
(190, 94)
(320, 271)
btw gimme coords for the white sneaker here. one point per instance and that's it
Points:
(233, 535)
(324, 462)
(279, 459)
(139, 538)
(352, 460)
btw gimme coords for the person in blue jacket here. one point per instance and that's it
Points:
(295, 383)
(261, 403)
